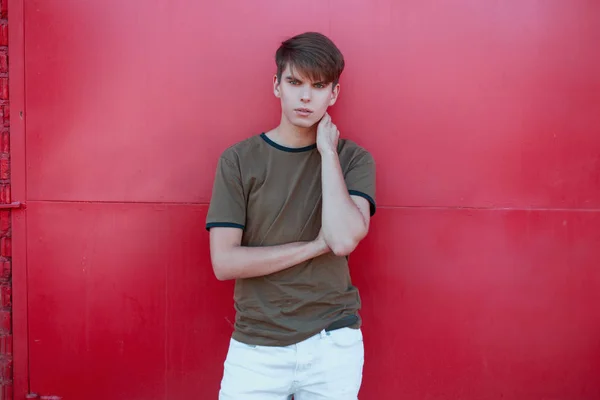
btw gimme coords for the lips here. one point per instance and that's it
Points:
(303, 111)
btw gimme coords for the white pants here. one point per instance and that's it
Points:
(327, 366)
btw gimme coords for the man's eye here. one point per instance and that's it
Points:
(294, 82)
(319, 85)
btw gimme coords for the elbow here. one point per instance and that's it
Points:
(221, 275)
(220, 270)
(343, 248)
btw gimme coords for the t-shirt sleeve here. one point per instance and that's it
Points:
(227, 205)
(360, 178)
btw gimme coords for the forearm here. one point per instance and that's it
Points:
(249, 262)
(343, 224)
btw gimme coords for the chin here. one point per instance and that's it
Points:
(302, 122)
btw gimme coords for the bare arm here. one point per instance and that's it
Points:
(231, 260)
(345, 218)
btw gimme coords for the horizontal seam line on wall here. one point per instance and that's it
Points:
(379, 207)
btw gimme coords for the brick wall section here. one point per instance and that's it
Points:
(6, 386)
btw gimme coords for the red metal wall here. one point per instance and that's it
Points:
(6, 362)
(480, 276)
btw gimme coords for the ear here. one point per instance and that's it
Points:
(276, 90)
(335, 92)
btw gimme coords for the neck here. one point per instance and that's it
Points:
(289, 135)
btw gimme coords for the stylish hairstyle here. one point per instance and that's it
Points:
(312, 54)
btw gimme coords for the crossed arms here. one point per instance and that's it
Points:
(345, 221)
(231, 260)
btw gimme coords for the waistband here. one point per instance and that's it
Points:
(344, 322)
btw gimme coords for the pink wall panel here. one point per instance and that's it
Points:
(469, 103)
(466, 304)
(122, 302)
(475, 103)
(131, 103)
(462, 304)
(492, 106)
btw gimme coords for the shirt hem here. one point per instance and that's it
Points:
(272, 342)
(224, 225)
(373, 206)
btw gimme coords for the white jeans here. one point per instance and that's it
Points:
(327, 366)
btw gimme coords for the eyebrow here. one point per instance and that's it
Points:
(291, 78)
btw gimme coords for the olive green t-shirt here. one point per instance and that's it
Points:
(273, 193)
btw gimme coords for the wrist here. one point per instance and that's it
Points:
(319, 246)
(328, 152)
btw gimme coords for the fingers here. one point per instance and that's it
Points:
(326, 120)
(327, 125)
(330, 122)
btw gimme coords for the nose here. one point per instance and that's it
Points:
(306, 93)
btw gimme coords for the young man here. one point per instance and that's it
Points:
(288, 206)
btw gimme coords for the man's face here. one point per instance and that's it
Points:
(304, 102)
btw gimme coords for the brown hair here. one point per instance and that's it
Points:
(313, 55)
